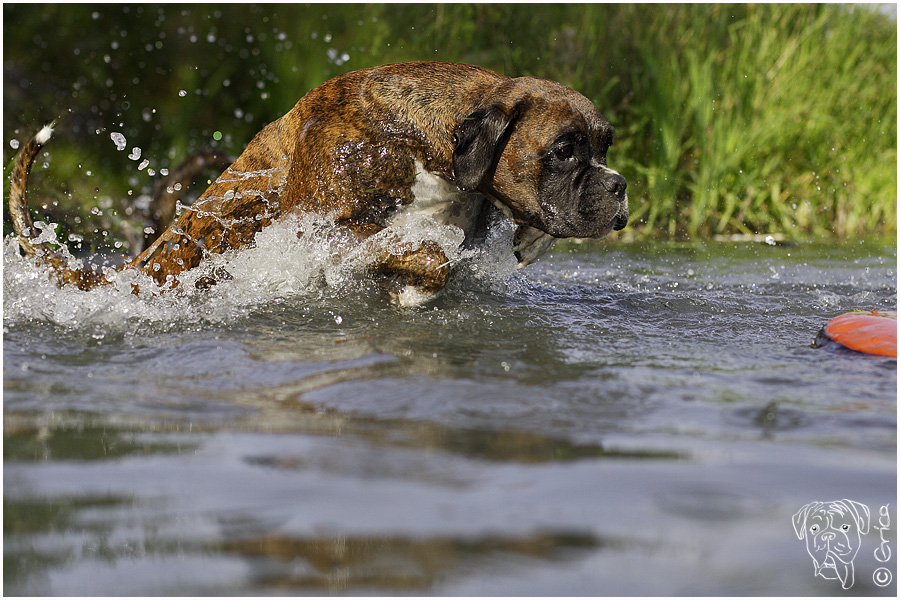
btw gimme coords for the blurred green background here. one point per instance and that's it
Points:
(730, 119)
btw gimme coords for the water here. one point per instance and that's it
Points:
(616, 419)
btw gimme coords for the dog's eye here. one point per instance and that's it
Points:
(564, 152)
(814, 528)
(845, 527)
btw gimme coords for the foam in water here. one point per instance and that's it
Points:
(322, 261)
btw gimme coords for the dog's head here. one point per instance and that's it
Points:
(538, 149)
(832, 531)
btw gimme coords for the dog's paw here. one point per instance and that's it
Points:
(414, 275)
(404, 294)
(410, 296)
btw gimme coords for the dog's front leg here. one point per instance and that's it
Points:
(413, 274)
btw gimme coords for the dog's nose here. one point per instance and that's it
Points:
(616, 184)
(827, 536)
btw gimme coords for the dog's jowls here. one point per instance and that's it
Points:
(373, 146)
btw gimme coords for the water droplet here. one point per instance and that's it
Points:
(118, 139)
(770, 240)
(182, 93)
(143, 164)
(13, 144)
(135, 153)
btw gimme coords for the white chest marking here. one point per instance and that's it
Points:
(435, 197)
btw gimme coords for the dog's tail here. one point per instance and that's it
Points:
(24, 227)
(18, 183)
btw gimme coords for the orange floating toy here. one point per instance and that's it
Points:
(872, 332)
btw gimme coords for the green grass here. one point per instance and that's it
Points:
(777, 118)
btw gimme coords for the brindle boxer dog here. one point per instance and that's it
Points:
(372, 146)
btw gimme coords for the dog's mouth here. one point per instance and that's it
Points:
(580, 224)
(589, 215)
(602, 205)
(588, 218)
(620, 221)
(617, 224)
(607, 230)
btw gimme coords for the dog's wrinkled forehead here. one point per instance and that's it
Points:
(555, 108)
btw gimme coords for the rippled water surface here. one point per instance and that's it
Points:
(616, 419)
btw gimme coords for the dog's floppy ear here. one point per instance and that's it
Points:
(799, 519)
(860, 513)
(476, 142)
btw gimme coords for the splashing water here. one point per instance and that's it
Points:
(323, 262)
(118, 139)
